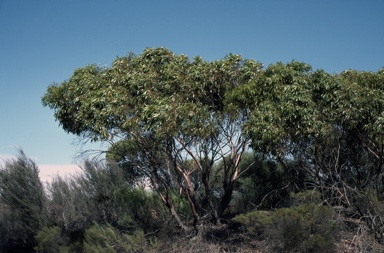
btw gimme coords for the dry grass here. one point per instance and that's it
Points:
(355, 238)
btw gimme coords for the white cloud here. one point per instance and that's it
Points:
(50, 171)
(4, 158)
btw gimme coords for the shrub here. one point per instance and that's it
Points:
(266, 184)
(305, 197)
(22, 203)
(107, 239)
(304, 227)
(50, 240)
(261, 184)
(255, 222)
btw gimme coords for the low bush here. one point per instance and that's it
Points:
(256, 223)
(50, 240)
(107, 239)
(307, 226)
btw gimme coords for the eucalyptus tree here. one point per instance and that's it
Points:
(359, 111)
(349, 106)
(331, 126)
(167, 118)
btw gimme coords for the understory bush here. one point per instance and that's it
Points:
(107, 239)
(306, 226)
(50, 240)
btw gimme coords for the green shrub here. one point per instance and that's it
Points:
(263, 184)
(305, 197)
(50, 240)
(107, 239)
(288, 228)
(255, 222)
(22, 204)
(305, 227)
(317, 243)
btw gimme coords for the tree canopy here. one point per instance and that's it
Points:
(185, 124)
(166, 116)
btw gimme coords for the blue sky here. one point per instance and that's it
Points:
(43, 41)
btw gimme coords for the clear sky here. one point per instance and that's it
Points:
(43, 41)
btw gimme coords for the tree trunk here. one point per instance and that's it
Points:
(171, 208)
(168, 203)
(177, 218)
(208, 199)
(189, 192)
(226, 198)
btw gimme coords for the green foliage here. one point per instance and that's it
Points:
(266, 184)
(155, 107)
(281, 105)
(255, 222)
(105, 187)
(23, 200)
(307, 197)
(305, 227)
(69, 208)
(149, 88)
(186, 124)
(106, 238)
(103, 195)
(265, 177)
(318, 243)
(50, 240)
(144, 209)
